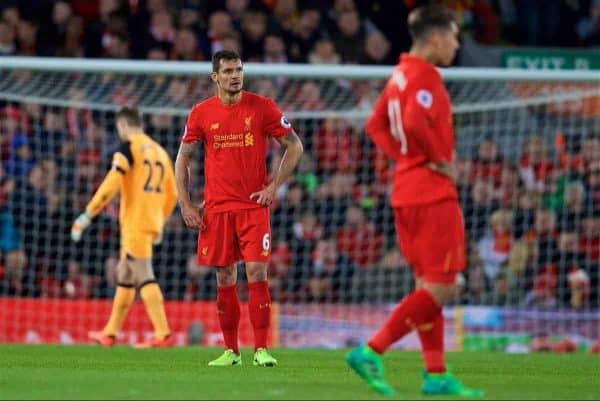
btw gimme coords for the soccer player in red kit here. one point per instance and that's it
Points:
(412, 123)
(235, 127)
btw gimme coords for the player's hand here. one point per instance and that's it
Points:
(79, 225)
(193, 215)
(265, 196)
(446, 169)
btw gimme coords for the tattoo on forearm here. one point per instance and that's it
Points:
(182, 169)
(188, 150)
(289, 139)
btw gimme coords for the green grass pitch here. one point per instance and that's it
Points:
(87, 372)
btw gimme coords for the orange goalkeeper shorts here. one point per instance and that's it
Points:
(432, 239)
(137, 244)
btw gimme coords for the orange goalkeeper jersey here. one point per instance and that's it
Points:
(143, 174)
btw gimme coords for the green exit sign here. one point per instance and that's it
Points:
(537, 59)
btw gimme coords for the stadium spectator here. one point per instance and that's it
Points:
(232, 42)
(306, 175)
(535, 165)
(11, 14)
(29, 205)
(253, 29)
(285, 211)
(219, 27)
(284, 16)
(280, 271)
(543, 233)
(590, 238)
(274, 50)
(237, 9)
(569, 217)
(488, 162)
(524, 214)
(162, 29)
(508, 186)
(479, 206)
(324, 52)
(186, 46)
(78, 285)
(570, 262)
(592, 183)
(97, 32)
(588, 26)
(494, 247)
(27, 43)
(333, 197)
(306, 231)
(12, 256)
(20, 159)
(304, 35)
(47, 141)
(8, 45)
(359, 240)
(331, 273)
(350, 40)
(72, 44)
(11, 125)
(377, 50)
(116, 45)
(544, 292)
(337, 147)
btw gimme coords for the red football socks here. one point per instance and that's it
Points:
(417, 309)
(259, 308)
(432, 345)
(228, 309)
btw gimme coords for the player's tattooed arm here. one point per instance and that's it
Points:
(191, 213)
(293, 151)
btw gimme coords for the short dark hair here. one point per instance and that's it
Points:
(423, 20)
(131, 115)
(223, 55)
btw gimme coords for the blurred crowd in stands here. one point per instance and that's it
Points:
(279, 31)
(533, 222)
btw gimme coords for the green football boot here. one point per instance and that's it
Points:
(263, 358)
(229, 358)
(447, 384)
(369, 366)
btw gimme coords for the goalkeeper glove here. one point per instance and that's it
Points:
(79, 225)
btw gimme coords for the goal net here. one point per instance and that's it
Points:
(528, 160)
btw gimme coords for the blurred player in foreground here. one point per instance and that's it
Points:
(143, 174)
(412, 124)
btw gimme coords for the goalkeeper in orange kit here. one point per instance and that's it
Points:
(143, 174)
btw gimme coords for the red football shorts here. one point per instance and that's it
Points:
(432, 239)
(235, 235)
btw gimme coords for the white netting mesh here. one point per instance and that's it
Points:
(529, 162)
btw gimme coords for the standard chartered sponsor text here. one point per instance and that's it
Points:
(233, 140)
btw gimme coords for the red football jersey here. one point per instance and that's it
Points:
(412, 124)
(236, 139)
